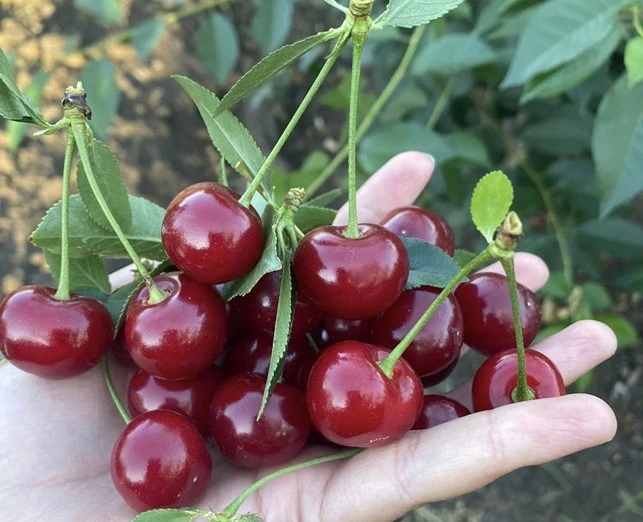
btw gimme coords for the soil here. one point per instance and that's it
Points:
(163, 146)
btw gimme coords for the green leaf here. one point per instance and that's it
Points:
(549, 330)
(634, 60)
(462, 257)
(573, 73)
(616, 236)
(107, 12)
(469, 147)
(271, 23)
(452, 54)
(556, 286)
(170, 515)
(617, 144)
(491, 201)
(596, 296)
(324, 199)
(13, 104)
(625, 331)
(558, 32)
(217, 46)
(268, 262)
(269, 66)
(146, 35)
(584, 381)
(87, 272)
(103, 96)
(310, 217)
(16, 131)
(88, 238)
(283, 322)
(380, 146)
(108, 177)
(429, 265)
(565, 132)
(492, 13)
(246, 518)
(117, 301)
(409, 13)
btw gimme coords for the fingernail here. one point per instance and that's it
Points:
(431, 158)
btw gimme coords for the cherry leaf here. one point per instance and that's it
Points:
(146, 35)
(463, 257)
(84, 273)
(171, 515)
(246, 518)
(429, 265)
(14, 105)
(107, 173)
(16, 131)
(310, 217)
(491, 202)
(410, 13)
(324, 199)
(283, 323)
(268, 67)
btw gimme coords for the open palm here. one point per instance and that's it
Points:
(56, 437)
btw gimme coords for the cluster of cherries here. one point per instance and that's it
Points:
(202, 363)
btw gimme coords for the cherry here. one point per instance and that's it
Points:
(275, 438)
(497, 378)
(486, 308)
(252, 354)
(210, 236)
(352, 402)
(160, 460)
(120, 350)
(351, 278)
(436, 378)
(180, 336)
(439, 409)
(438, 343)
(338, 329)
(421, 224)
(258, 309)
(190, 397)
(53, 338)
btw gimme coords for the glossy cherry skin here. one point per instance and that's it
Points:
(351, 278)
(182, 335)
(436, 378)
(252, 355)
(210, 236)
(120, 350)
(439, 409)
(421, 224)
(497, 377)
(352, 402)
(438, 343)
(190, 397)
(52, 338)
(275, 438)
(486, 308)
(160, 461)
(258, 309)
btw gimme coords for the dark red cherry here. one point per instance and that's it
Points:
(439, 409)
(210, 236)
(486, 308)
(252, 355)
(351, 278)
(120, 350)
(258, 309)
(352, 402)
(181, 336)
(275, 438)
(338, 329)
(438, 343)
(421, 224)
(436, 378)
(497, 377)
(52, 338)
(160, 461)
(190, 397)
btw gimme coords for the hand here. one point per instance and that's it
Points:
(56, 437)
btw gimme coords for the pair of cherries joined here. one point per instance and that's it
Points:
(350, 299)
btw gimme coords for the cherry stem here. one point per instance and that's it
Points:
(360, 33)
(234, 506)
(522, 392)
(112, 391)
(79, 130)
(387, 364)
(328, 65)
(62, 292)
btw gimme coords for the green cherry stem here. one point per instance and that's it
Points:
(522, 392)
(62, 292)
(112, 392)
(360, 33)
(387, 364)
(234, 506)
(79, 129)
(328, 65)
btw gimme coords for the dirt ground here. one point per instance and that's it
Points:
(163, 146)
